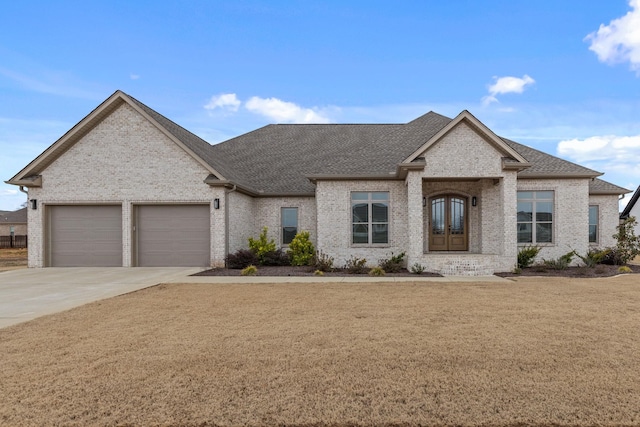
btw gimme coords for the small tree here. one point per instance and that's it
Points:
(301, 249)
(628, 244)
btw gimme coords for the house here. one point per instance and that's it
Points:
(128, 187)
(633, 209)
(13, 223)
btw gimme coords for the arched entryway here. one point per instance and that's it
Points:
(448, 229)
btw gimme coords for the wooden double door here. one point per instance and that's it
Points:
(448, 230)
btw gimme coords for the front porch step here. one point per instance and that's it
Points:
(460, 265)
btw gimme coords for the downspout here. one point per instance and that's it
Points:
(24, 191)
(226, 219)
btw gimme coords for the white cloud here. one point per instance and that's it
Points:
(507, 84)
(225, 101)
(283, 111)
(602, 148)
(6, 192)
(619, 41)
(134, 76)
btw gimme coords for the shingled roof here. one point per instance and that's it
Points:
(280, 159)
(14, 217)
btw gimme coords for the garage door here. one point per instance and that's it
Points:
(85, 236)
(173, 236)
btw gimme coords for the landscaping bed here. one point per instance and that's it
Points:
(304, 271)
(601, 270)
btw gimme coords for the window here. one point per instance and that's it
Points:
(370, 217)
(535, 217)
(289, 218)
(593, 224)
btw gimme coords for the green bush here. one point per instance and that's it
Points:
(301, 249)
(417, 268)
(356, 265)
(240, 259)
(628, 244)
(527, 255)
(624, 269)
(377, 271)
(393, 264)
(592, 258)
(249, 271)
(318, 273)
(560, 263)
(261, 247)
(323, 262)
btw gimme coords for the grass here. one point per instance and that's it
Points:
(529, 352)
(13, 258)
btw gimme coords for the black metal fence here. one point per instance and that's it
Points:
(7, 242)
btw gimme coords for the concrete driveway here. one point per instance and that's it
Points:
(29, 293)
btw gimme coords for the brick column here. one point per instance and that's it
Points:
(415, 222)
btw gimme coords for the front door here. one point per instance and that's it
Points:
(448, 224)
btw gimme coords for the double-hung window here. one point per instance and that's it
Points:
(535, 217)
(289, 218)
(370, 218)
(593, 224)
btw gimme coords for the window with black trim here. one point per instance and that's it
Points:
(593, 223)
(535, 217)
(370, 217)
(289, 219)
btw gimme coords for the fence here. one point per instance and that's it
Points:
(7, 242)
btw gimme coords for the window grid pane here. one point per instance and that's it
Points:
(535, 217)
(593, 224)
(289, 222)
(370, 217)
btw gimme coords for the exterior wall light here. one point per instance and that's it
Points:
(474, 201)
(34, 204)
(424, 201)
(216, 203)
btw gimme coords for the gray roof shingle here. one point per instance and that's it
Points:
(279, 159)
(15, 217)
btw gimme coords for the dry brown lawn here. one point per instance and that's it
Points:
(12, 258)
(531, 352)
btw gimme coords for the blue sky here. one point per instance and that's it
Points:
(560, 76)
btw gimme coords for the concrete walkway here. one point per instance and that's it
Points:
(29, 293)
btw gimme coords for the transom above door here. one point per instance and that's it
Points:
(448, 223)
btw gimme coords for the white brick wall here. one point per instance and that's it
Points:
(333, 200)
(609, 218)
(268, 214)
(571, 215)
(124, 160)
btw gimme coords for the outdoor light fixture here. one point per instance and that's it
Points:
(474, 201)
(216, 203)
(424, 202)
(34, 204)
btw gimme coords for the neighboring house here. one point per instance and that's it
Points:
(128, 187)
(13, 223)
(633, 209)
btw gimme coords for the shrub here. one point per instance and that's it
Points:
(356, 265)
(276, 258)
(262, 246)
(377, 271)
(517, 270)
(417, 268)
(611, 256)
(560, 263)
(301, 249)
(393, 264)
(318, 273)
(323, 262)
(249, 271)
(241, 259)
(592, 257)
(527, 255)
(628, 244)
(624, 269)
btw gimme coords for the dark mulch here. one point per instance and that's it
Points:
(600, 270)
(303, 271)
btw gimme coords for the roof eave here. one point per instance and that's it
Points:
(353, 177)
(30, 181)
(552, 175)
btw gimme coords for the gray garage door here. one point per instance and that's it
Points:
(85, 236)
(173, 236)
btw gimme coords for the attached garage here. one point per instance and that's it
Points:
(84, 236)
(172, 236)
